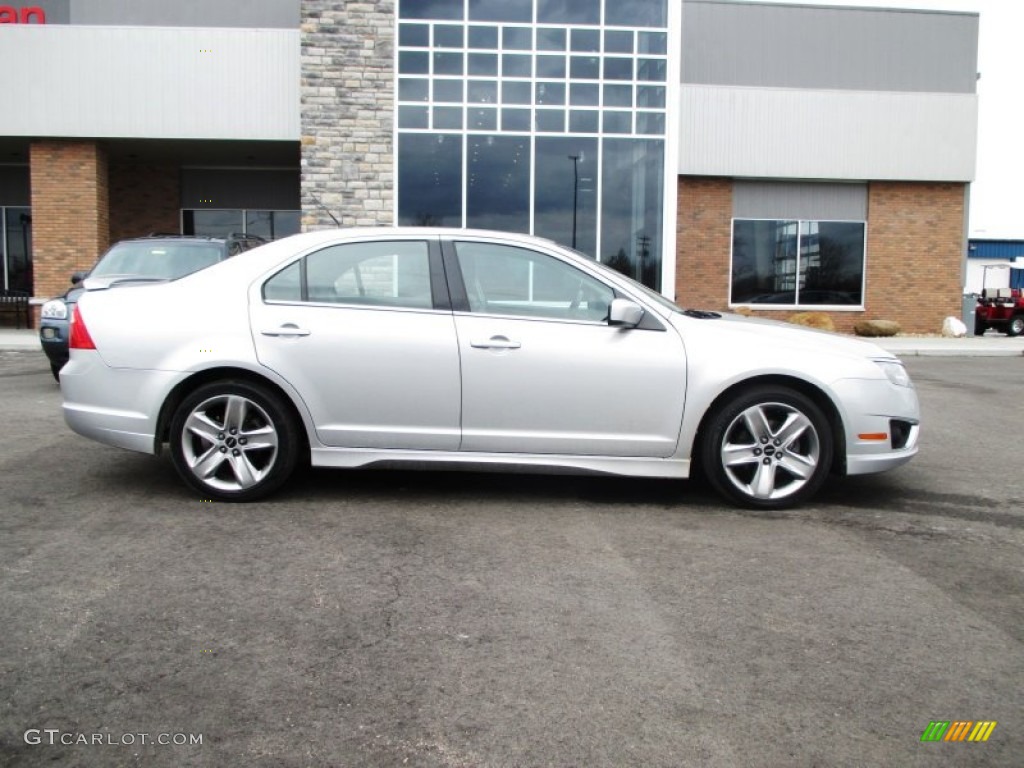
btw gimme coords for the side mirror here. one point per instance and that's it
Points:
(77, 277)
(625, 313)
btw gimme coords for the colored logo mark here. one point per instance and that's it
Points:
(958, 730)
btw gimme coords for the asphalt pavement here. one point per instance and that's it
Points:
(385, 618)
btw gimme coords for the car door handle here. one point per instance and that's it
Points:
(496, 342)
(288, 330)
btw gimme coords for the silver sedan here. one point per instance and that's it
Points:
(441, 348)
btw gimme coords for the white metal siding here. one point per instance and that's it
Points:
(799, 200)
(837, 135)
(150, 82)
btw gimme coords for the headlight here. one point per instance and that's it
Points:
(55, 309)
(895, 372)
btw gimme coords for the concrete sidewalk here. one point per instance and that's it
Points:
(990, 345)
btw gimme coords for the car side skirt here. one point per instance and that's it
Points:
(500, 462)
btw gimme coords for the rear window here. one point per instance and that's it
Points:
(157, 260)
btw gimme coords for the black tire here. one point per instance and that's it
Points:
(1016, 326)
(257, 457)
(979, 326)
(776, 468)
(55, 370)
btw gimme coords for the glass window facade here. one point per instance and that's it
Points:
(784, 263)
(538, 116)
(16, 248)
(270, 225)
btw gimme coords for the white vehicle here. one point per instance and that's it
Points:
(443, 347)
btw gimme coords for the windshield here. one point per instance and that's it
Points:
(157, 260)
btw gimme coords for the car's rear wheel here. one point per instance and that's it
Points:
(234, 441)
(979, 326)
(1016, 326)
(767, 448)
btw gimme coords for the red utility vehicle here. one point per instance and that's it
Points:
(1001, 309)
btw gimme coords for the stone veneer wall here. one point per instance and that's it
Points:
(348, 106)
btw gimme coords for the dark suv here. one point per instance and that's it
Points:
(156, 257)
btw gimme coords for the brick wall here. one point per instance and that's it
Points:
(914, 252)
(70, 211)
(347, 113)
(703, 242)
(144, 199)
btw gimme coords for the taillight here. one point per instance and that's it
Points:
(80, 338)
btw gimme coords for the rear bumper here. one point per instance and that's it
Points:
(113, 405)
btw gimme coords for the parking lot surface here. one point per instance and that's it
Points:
(398, 618)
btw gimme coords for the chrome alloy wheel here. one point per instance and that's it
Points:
(229, 442)
(770, 451)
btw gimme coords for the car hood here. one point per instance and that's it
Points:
(759, 332)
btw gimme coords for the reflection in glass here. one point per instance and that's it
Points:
(18, 247)
(413, 89)
(551, 120)
(569, 12)
(636, 13)
(483, 119)
(618, 122)
(414, 62)
(551, 66)
(618, 96)
(515, 120)
(632, 207)
(652, 42)
(501, 10)
(447, 118)
(549, 39)
(483, 37)
(551, 93)
(415, 35)
(584, 94)
(449, 91)
(808, 263)
(447, 63)
(516, 65)
(831, 262)
(585, 68)
(651, 70)
(584, 121)
(515, 93)
(585, 40)
(618, 69)
(483, 92)
(430, 9)
(447, 36)
(650, 96)
(483, 64)
(272, 225)
(565, 192)
(517, 39)
(498, 183)
(618, 41)
(413, 117)
(429, 180)
(212, 223)
(650, 123)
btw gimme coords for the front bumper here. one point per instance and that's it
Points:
(874, 407)
(53, 336)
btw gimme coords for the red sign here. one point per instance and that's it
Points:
(11, 15)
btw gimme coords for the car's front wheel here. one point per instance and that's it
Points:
(234, 441)
(767, 448)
